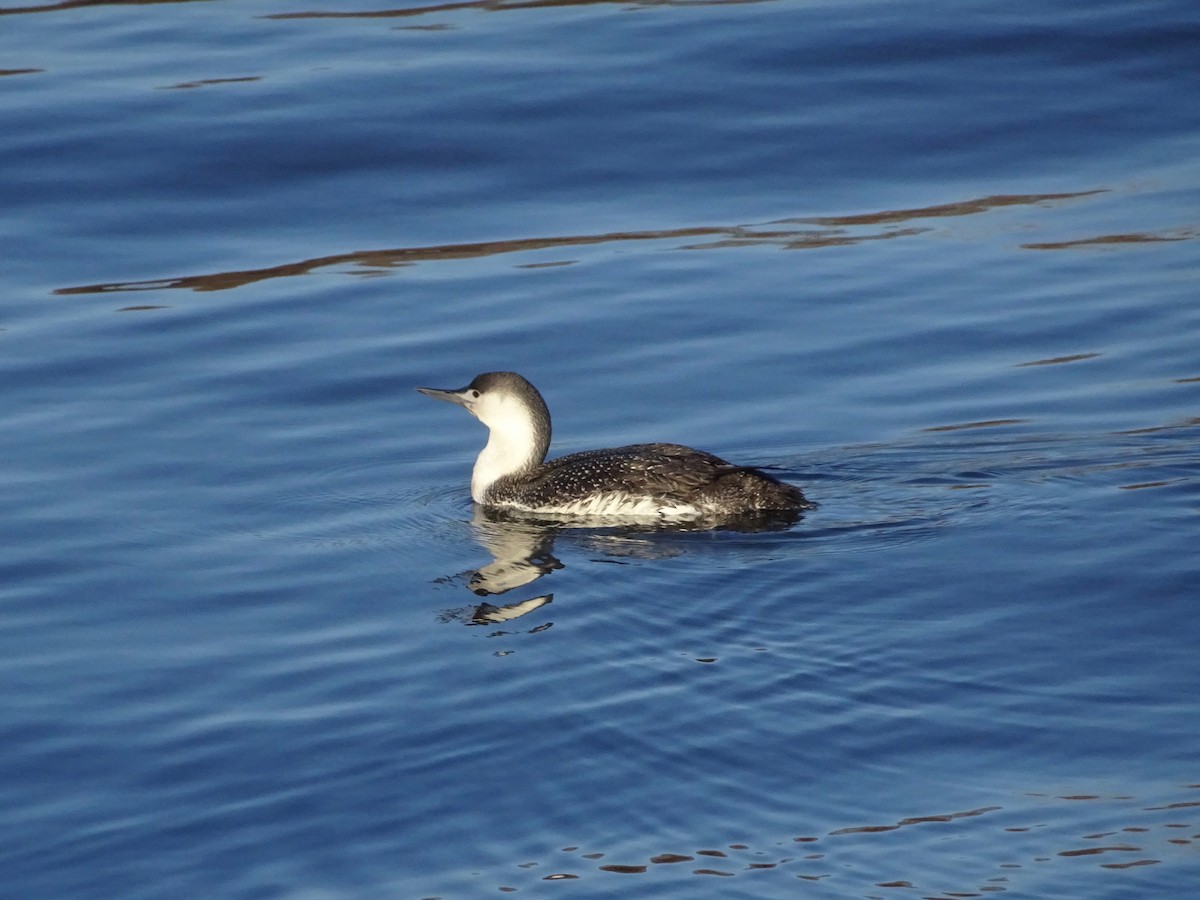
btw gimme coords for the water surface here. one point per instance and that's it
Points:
(935, 262)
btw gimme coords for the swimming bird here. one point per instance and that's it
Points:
(665, 481)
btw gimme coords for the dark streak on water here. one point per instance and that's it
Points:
(1013, 847)
(832, 232)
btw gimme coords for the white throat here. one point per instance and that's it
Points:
(512, 444)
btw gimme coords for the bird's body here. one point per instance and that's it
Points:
(662, 481)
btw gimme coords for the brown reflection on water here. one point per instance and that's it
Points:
(961, 208)
(1093, 851)
(1051, 832)
(986, 423)
(487, 6)
(1184, 804)
(374, 261)
(786, 234)
(4, 72)
(1145, 484)
(1058, 360)
(1172, 426)
(1103, 240)
(82, 4)
(668, 858)
(917, 820)
(205, 82)
(806, 239)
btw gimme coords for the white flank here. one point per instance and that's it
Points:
(616, 504)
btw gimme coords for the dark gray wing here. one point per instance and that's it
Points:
(664, 471)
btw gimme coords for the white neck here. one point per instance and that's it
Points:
(513, 445)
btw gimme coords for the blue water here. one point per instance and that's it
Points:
(936, 262)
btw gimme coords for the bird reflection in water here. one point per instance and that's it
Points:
(521, 554)
(522, 547)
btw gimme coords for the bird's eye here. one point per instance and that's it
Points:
(474, 395)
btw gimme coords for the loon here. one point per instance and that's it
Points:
(666, 481)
